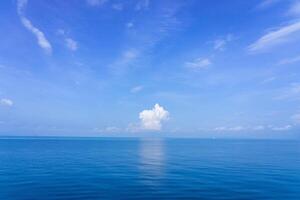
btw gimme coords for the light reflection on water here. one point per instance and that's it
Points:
(152, 160)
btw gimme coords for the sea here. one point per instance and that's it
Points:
(48, 168)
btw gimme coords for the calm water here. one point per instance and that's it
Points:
(148, 168)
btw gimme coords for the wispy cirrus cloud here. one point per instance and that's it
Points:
(40, 36)
(96, 2)
(253, 128)
(234, 128)
(282, 128)
(267, 3)
(220, 44)
(279, 36)
(70, 43)
(109, 129)
(199, 63)
(291, 60)
(136, 89)
(142, 36)
(294, 10)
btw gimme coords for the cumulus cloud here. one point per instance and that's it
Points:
(199, 63)
(96, 2)
(41, 39)
(279, 36)
(6, 102)
(152, 119)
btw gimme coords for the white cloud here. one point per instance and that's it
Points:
(257, 127)
(282, 128)
(142, 5)
(276, 37)
(96, 2)
(136, 89)
(199, 63)
(289, 60)
(6, 102)
(220, 44)
(234, 128)
(294, 9)
(152, 119)
(109, 129)
(42, 41)
(221, 128)
(267, 3)
(71, 44)
(117, 6)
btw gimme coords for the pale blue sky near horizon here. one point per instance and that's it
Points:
(177, 68)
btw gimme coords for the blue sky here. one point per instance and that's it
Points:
(150, 68)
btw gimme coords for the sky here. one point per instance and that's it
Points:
(166, 68)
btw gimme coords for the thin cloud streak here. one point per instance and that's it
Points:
(96, 2)
(273, 38)
(42, 41)
(289, 60)
(199, 63)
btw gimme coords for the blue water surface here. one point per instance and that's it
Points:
(131, 168)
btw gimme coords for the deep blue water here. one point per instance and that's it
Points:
(148, 169)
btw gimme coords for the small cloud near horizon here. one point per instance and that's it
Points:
(152, 119)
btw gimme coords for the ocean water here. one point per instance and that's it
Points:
(90, 168)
